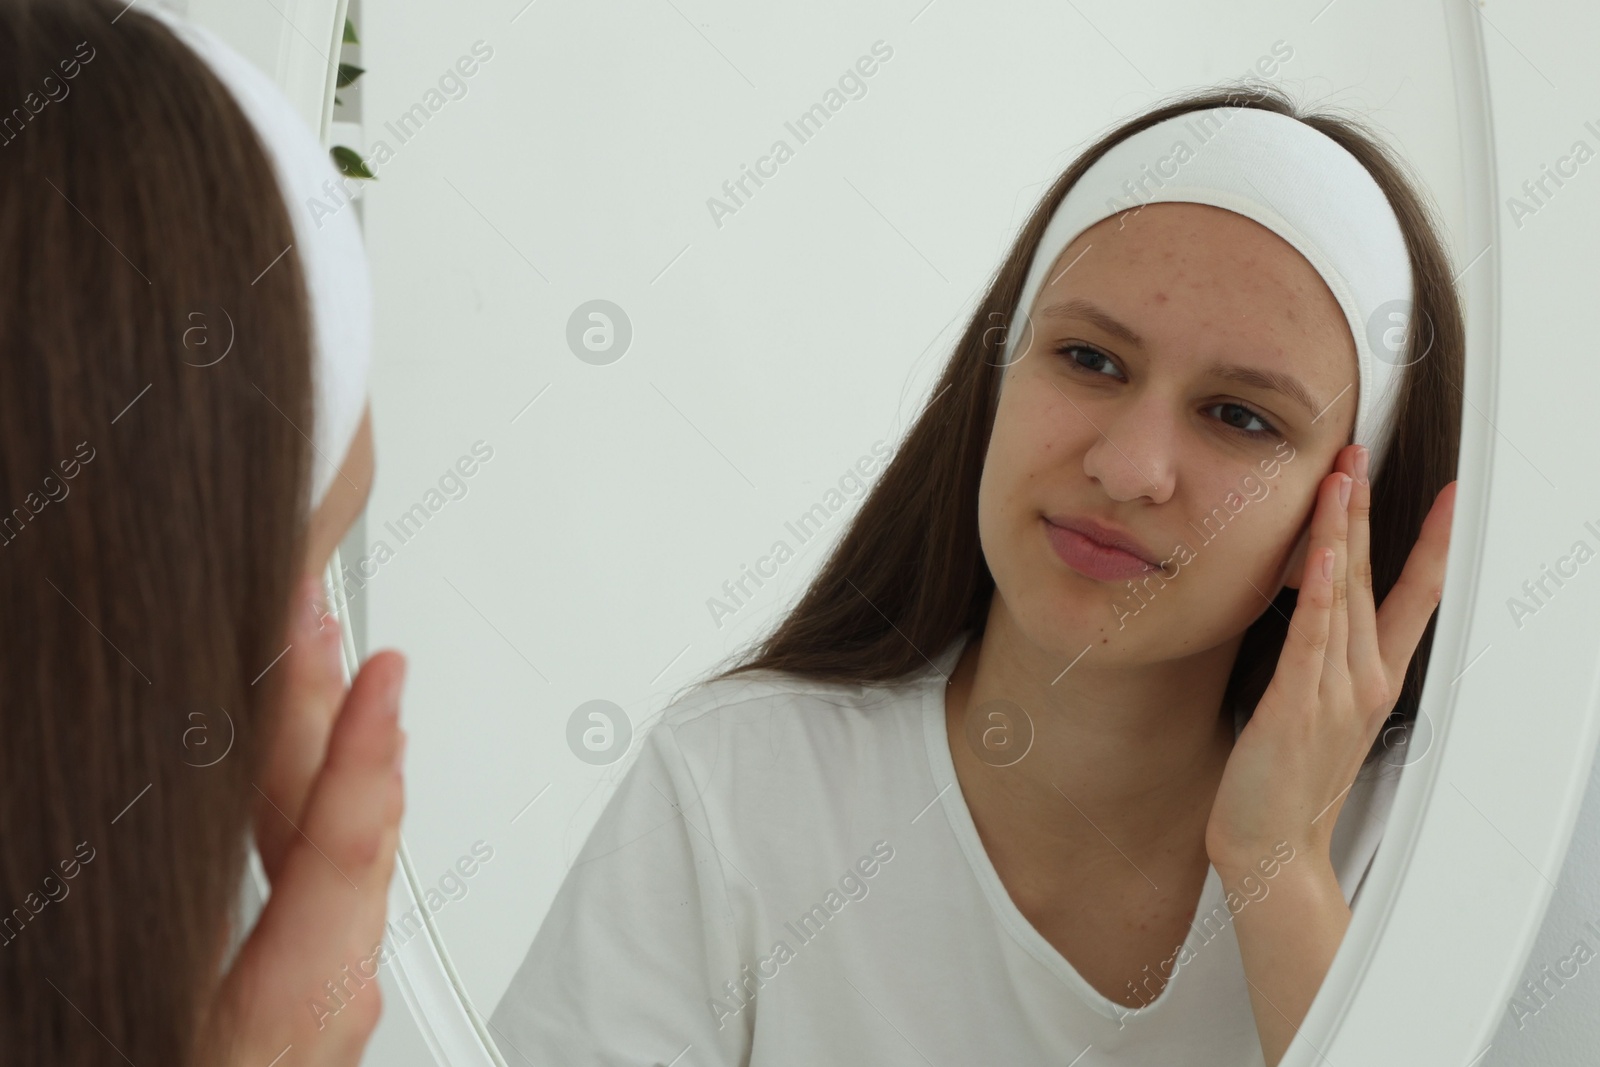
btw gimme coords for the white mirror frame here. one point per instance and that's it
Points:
(1460, 885)
(1462, 881)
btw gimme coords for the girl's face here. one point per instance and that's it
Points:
(1114, 409)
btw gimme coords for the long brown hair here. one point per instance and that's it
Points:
(155, 486)
(908, 575)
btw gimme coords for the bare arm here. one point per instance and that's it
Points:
(1287, 939)
(1339, 676)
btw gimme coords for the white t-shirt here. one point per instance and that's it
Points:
(788, 874)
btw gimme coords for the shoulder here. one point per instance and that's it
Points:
(771, 706)
(755, 750)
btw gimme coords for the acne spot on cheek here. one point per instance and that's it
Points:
(1161, 298)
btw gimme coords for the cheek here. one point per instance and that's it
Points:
(1037, 437)
(1027, 464)
(1224, 563)
(1238, 550)
(1009, 491)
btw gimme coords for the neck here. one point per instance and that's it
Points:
(1122, 759)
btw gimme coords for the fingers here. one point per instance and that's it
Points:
(1362, 652)
(313, 688)
(1299, 669)
(1307, 647)
(1411, 603)
(1340, 490)
(316, 949)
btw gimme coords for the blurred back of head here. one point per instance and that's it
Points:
(155, 398)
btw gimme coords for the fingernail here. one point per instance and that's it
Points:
(1361, 465)
(1344, 490)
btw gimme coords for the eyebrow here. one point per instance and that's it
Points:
(1260, 378)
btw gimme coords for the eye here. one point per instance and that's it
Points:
(1270, 431)
(1068, 349)
(1072, 351)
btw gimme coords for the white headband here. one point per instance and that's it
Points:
(331, 255)
(1294, 180)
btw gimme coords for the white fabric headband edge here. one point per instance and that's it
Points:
(330, 250)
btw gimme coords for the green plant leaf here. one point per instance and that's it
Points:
(350, 32)
(348, 73)
(350, 164)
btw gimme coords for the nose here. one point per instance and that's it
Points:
(1133, 453)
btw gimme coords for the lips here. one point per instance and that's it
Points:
(1094, 559)
(1106, 536)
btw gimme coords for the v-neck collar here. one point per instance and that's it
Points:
(954, 803)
